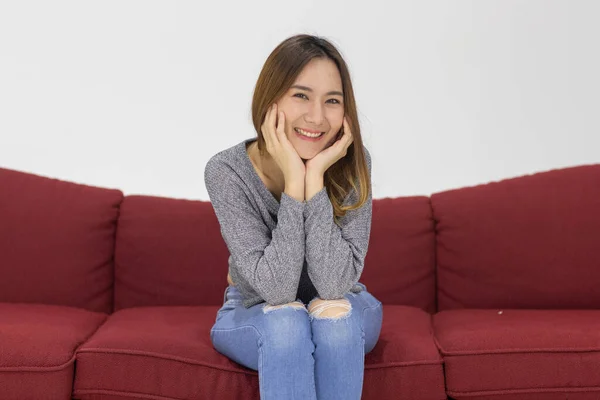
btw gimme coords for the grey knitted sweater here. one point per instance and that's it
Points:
(284, 250)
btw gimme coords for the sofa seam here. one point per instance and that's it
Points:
(205, 364)
(59, 367)
(38, 369)
(404, 364)
(515, 351)
(162, 357)
(435, 257)
(124, 393)
(523, 391)
(114, 255)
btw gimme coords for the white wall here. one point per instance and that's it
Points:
(138, 95)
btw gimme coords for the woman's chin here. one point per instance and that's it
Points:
(305, 155)
(307, 150)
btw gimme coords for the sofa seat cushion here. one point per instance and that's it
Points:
(37, 348)
(520, 354)
(405, 363)
(166, 352)
(158, 352)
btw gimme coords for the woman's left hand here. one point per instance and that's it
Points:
(329, 156)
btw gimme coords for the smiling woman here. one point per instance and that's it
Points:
(308, 79)
(294, 206)
(313, 113)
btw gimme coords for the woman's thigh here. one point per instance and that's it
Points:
(369, 311)
(239, 332)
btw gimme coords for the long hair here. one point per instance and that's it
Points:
(278, 74)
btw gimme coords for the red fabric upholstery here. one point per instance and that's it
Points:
(512, 353)
(56, 241)
(405, 363)
(527, 242)
(526, 246)
(37, 348)
(160, 351)
(169, 252)
(165, 248)
(400, 262)
(166, 352)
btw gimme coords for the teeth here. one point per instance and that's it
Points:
(308, 134)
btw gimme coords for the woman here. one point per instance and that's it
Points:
(294, 206)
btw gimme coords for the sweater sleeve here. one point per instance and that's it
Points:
(270, 261)
(335, 254)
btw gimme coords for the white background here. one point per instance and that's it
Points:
(138, 95)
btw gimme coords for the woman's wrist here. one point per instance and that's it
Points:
(295, 190)
(313, 184)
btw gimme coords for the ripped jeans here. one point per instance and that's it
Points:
(301, 355)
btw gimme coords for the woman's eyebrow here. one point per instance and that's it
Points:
(333, 92)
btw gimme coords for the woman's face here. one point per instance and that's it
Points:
(314, 103)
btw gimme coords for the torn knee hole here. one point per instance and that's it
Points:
(293, 304)
(329, 308)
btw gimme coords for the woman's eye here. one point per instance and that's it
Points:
(303, 96)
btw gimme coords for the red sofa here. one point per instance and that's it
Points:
(490, 292)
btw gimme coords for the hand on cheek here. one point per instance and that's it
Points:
(333, 152)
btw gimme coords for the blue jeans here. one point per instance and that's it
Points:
(299, 355)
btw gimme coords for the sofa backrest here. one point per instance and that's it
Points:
(526, 242)
(400, 262)
(56, 241)
(171, 252)
(168, 252)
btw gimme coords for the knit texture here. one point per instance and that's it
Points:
(284, 250)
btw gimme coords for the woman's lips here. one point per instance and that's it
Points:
(309, 130)
(307, 138)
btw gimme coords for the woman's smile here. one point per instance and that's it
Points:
(311, 136)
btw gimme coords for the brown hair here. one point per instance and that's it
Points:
(278, 74)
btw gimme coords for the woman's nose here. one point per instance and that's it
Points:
(315, 114)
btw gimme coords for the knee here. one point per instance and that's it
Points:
(332, 327)
(294, 305)
(329, 309)
(286, 327)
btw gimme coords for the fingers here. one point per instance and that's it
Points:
(281, 127)
(347, 138)
(347, 130)
(268, 127)
(271, 124)
(263, 127)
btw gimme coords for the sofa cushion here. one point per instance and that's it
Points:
(158, 352)
(165, 352)
(405, 363)
(169, 252)
(400, 262)
(37, 348)
(56, 241)
(513, 354)
(529, 242)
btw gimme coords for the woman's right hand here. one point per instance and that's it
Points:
(282, 151)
